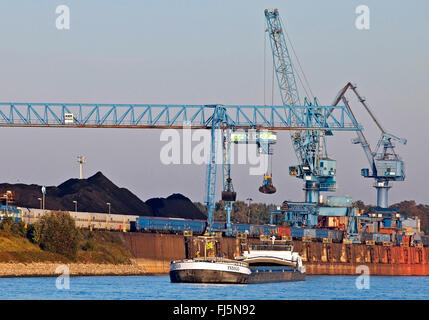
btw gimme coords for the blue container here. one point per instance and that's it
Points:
(297, 232)
(321, 233)
(159, 224)
(241, 228)
(180, 225)
(387, 223)
(142, 223)
(197, 226)
(219, 225)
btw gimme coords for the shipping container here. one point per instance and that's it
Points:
(241, 228)
(336, 235)
(380, 237)
(386, 230)
(256, 230)
(283, 230)
(310, 233)
(366, 236)
(219, 225)
(297, 232)
(321, 233)
(270, 229)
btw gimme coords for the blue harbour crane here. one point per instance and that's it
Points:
(314, 166)
(385, 164)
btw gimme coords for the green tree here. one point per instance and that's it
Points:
(34, 232)
(6, 223)
(59, 234)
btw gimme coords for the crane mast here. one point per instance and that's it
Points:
(315, 168)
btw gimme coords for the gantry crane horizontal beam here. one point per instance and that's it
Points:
(157, 116)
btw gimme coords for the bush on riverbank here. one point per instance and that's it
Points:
(7, 224)
(56, 232)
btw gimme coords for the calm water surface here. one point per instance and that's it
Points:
(159, 287)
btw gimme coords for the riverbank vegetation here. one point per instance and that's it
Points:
(55, 238)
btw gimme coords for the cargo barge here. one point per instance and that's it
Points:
(272, 263)
(258, 264)
(209, 270)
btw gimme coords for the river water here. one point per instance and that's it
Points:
(159, 287)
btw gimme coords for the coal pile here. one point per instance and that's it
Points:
(93, 193)
(176, 205)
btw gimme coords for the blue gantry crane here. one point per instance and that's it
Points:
(218, 118)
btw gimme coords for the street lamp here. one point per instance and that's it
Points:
(248, 215)
(109, 205)
(43, 197)
(75, 205)
(40, 199)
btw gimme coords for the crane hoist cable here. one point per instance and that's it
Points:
(299, 64)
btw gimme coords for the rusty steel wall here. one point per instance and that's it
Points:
(155, 251)
(335, 258)
(155, 246)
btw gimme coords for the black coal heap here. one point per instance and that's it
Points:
(93, 193)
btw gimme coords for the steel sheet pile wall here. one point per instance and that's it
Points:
(338, 258)
(154, 252)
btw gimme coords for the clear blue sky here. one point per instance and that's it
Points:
(203, 52)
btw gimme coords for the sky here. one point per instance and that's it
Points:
(209, 52)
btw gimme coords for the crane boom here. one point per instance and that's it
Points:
(282, 60)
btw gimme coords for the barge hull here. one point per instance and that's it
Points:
(207, 276)
(264, 277)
